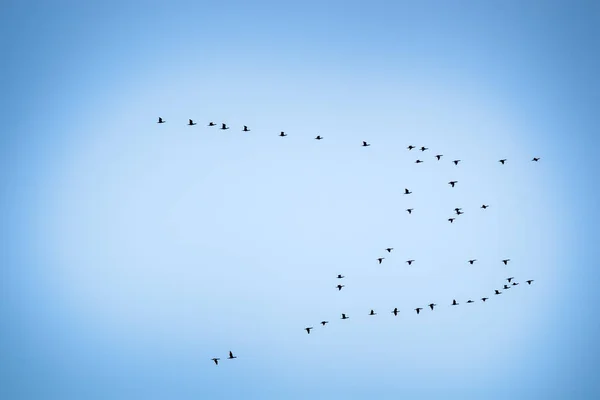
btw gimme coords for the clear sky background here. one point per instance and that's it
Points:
(133, 252)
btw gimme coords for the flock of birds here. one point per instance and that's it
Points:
(458, 211)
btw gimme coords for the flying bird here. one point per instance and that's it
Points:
(340, 276)
(502, 161)
(497, 291)
(439, 156)
(506, 261)
(410, 262)
(515, 283)
(454, 303)
(308, 329)
(318, 137)
(211, 124)
(529, 281)
(344, 316)
(418, 310)
(389, 249)
(472, 261)
(456, 162)
(216, 360)
(410, 210)
(423, 148)
(432, 305)
(231, 356)
(224, 126)
(459, 212)
(282, 134)
(411, 147)
(510, 279)
(470, 301)
(506, 287)
(451, 220)
(535, 159)
(245, 129)
(484, 299)
(395, 311)
(380, 259)
(324, 322)
(484, 206)
(365, 144)
(418, 162)
(406, 191)
(452, 183)
(161, 121)
(339, 287)
(190, 122)
(372, 313)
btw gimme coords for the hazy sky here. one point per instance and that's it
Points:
(134, 252)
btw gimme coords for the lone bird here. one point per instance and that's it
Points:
(211, 124)
(451, 220)
(231, 356)
(484, 206)
(497, 291)
(410, 262)
(418, 162)
(506, 261)
(380, 259)
(344, 316)
(410, 210)
(510, 279)
(372, 313)
(484, 299)
(529, 281)
(308, 329)
(282, 134)
(411, 147)
(324, 322)
(161, 121)
(340, 276)
(339, 287)
(365, 144)
(190, 122)
(502, 161)
(454, 303)
(438, 156)
(456, 162)
(245, 129)
(418, 310)
(216, 360)
(423, 148)
(536, 159)
(432, 305)
(470, 301)
(224, 126)
(472, 261)
(452, 183)
(318, 137)
(406, 191)
(395, 311)
(389, 249)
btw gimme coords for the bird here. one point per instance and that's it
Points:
(395, 311)
(224, 126)
(452, 183)
(535, 159)
(451, 220)
(456, 162)
(365, 144)
(380, 259)
(245, 129)
(318, 137)
(529, 281)
(470, 301)
(472, 261)
(484, 206)
(510, 279)
(459, 212)
(506, 287)
(406, 191)
(216, 360)
(372, 313)
(418, 162)
(497, 291)
(339, 287)
(418, 310)
(506, 261)
(411, 147)
(502, 161)
(515, 283)
(308, 329)
(484, 299)
(231, 356)
(340, 276)
(282, 134)
(190, 122)
(344, 316)
(410, 210)
(432, 305)
(457, 209)
(389, 249)
(423, 148)
(438, 156)
(161, 121)
(324, 322)
(211, 124)
(410, 262)
(454, 303)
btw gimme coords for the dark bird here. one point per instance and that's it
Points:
(457, 209)
(245, 129)
(484, 299)
(432, 305)
(535, 159)
(438, 156)
(410, 210)
(380, 259)
(502, 161)
(497, 292)
(484, 206)
(418, 310)
(372, 313)
(410, 262)
(324, 322)
(454, 303)
(224, 126)
(344, 316)
(459, 212)
(529, 281)
(456, 162)
(411, 147)
(282, 134)
(339, 287)
(365, 144)
(318, 137)
(470, 301)
(211, 124)
(506, 287)
(506, 261)
(406, 191)
(161, 121)
(395, 311)
(451, 220)
(452, 183)
(216, 360)
(472, 261)
(423, 148)
(190, 122)
(515, 283)
(418, 162)
(389, 249)
(340, 276)
(510, 279)
(308, 329)
(231, 356)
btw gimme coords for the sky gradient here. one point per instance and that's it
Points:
(134, 252)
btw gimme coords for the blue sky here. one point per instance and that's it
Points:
(135, 252)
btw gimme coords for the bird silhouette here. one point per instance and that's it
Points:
(484, 299)
(161, 121)
(418, 310)
(459, 212)
(423, 148)
(510, 279)
(484, 206)
(224, 126)
(282, 134)
(380, 259)
(216, 360)
(472, 261)
(454, 303)
(515, 283)
(457, 209)
(406, 191)
(451, 220)
(529, 281)
(211, 124)
(470, 301)
(535, 159)
(410, 210)
(231, 356)
(245, 129)
(389, 249)
(340, 276)
(324, 322)
(432, 305)
(506, 287)
(395, 311)
(418, 162)
(506, 261)
(411, 147)
(410, 262)
(190, 122)
(339, 287)
(308, 329)
(372, 313)
(452, 183)
(344, 316)
(456, 162)
(365, 144)
(318, 137)
(497, 291)
(438, 156)
(502, 161)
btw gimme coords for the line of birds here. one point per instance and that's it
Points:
(409, 262)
